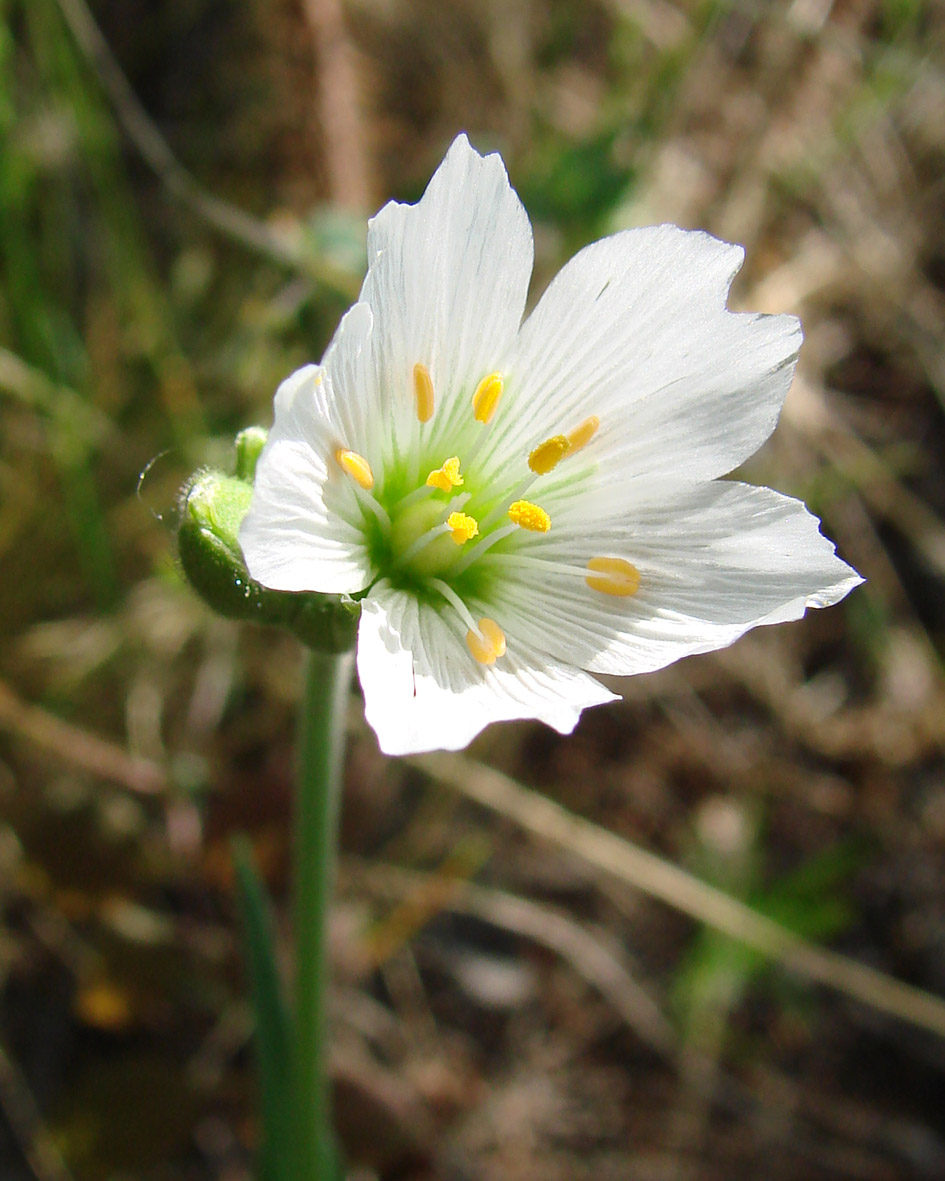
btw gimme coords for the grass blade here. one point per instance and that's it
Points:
(273, 1027)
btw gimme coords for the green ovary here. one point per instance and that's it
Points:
(408, 527)
(412, 523)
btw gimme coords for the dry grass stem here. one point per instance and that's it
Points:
(338, 107)
(674, 886)
(78, 747)
(595, 958)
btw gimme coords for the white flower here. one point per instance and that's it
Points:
(518, 502)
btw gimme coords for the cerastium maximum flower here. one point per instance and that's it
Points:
(519, 505)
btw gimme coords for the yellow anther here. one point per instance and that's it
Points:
(446, 477)
(613, 576)
(549, 454)
(488, 644)
(423, 388)
(529, 516)
(356, 466)
(487, 395)
(463, 527)
(583, 433)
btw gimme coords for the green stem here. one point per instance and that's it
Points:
(321, 750)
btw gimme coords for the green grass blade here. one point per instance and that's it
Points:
(273, 1026)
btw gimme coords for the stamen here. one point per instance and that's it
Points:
(421, 544)
(510, 497)
(487, 395)
(481, 547)
(423, 388)
(583, 433)
(613, 576)
(367, 501)
(549, 454)
(405, 502)
(356, 466)
(488, 643)
(447, 477)
(529, 516)
(454, 601)
(462, 527)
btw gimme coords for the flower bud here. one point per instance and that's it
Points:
(212, 508)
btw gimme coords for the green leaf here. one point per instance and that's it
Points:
(273, 1025)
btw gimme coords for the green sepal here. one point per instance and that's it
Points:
(212, 508)
(249, 444)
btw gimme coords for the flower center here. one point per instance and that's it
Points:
(430, 536)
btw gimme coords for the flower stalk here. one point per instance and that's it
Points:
(318, 806)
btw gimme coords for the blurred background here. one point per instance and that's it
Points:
(183, 192)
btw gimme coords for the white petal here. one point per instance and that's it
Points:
(715, 560)
(423, 690)
(634, 329)
(447, 281)
(304, 528)
(344, 362)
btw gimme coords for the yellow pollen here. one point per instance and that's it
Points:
(488, 644)
(549, 454)
(423, 388)
(463, 527)
(356, 466)
(529, 516)
(613, 576)
(583, 433)
(446, 477)
(487, 395)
